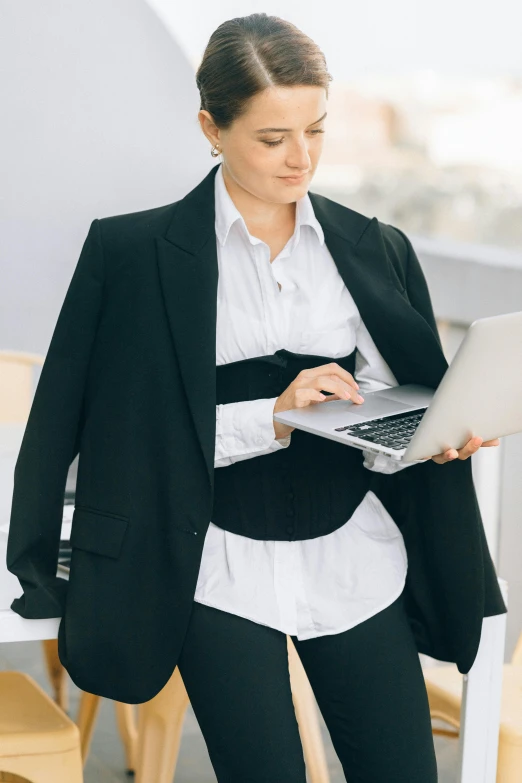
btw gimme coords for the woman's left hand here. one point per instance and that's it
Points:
(466, 451)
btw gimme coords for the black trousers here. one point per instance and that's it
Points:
(367, 681)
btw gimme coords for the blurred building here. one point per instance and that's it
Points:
(439, 156)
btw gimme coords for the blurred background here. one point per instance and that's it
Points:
(424, 131)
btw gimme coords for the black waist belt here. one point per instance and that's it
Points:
(306, 490)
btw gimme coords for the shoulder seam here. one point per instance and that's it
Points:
(404, 262)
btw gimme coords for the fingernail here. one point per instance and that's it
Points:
(360, 399)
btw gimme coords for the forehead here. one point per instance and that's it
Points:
(292, 106)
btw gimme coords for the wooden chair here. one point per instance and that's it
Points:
(38, 742)
(444, 685)
(16, 388)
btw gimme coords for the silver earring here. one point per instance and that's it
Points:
(215, 154)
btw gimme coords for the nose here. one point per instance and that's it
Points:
(298, 156)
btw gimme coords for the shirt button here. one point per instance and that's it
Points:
(260, 440)
(290, 512)
(290, 529)
(290, 496)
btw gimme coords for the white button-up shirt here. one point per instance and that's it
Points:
(327, 584)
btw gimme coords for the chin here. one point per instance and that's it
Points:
(295, 195)
(298, 191)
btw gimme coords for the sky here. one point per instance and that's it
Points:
(464, 37)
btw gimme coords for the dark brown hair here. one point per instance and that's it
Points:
(247, 54)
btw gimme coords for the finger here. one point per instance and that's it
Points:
(351, 393)
(331, 369)
(466, 451)
(470, 448)
(332, 397)
(307, 396)
(494, 442)
(331, 384)
(445, 456)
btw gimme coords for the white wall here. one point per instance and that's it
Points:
(99, 117)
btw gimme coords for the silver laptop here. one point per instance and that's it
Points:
(479, 395)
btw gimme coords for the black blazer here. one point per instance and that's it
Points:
(129, 382)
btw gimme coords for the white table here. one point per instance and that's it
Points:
(482, 685)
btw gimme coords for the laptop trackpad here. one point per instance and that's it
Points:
(375, 407)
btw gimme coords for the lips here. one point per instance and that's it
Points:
(294, 179)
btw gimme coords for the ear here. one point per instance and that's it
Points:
(209, 127)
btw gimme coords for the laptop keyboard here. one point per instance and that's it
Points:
(394, 432)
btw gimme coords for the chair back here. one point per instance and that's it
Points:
(16, 384)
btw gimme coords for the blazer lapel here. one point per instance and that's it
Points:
(188, 269)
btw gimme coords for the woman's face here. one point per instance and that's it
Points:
(280, 135)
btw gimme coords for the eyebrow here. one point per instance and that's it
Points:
(286, 130)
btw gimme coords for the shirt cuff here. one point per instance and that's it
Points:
(246, 429)
(382, 463)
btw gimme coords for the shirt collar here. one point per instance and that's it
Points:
(227, 213)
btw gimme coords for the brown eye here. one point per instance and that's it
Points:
(280, 141)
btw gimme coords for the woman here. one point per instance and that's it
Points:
(184, 329)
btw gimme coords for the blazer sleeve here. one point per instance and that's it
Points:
(51, 440)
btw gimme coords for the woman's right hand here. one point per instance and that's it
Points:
(306, 390)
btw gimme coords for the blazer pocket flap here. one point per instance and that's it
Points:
(97, 532)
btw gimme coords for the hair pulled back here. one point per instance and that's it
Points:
(247, 54)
